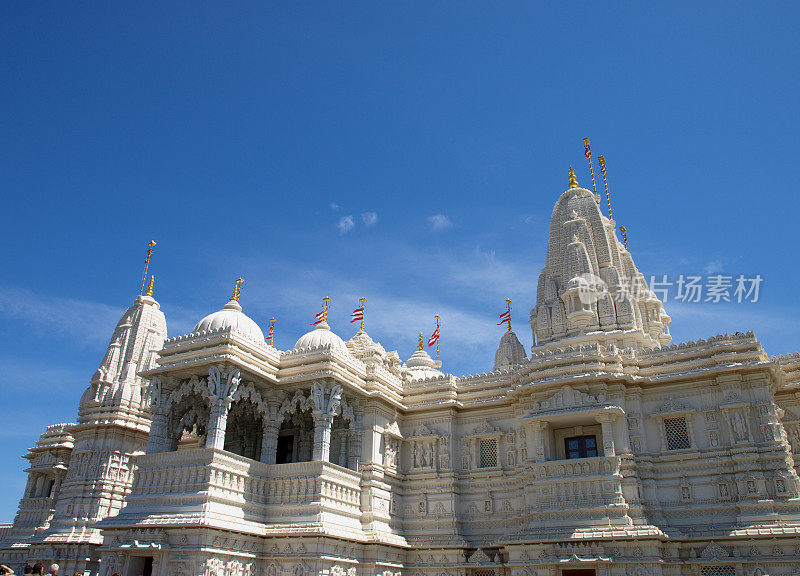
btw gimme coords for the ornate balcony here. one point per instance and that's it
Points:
(177, 487)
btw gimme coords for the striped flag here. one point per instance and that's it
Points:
(587, 150)
(505, 317)
(319, 318)
(434, 337)
(357, 315)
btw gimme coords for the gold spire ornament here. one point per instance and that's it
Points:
(150, 246)
(149, 291)
(573, 182)
(237, 289)
(602, 160)
(420, 344)
(508, 307)
(363, 311)
(587, 151)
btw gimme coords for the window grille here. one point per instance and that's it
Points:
(488, 453)
(677, 433)
(484, 573)
(721, 570)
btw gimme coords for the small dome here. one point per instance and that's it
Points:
(231, 316)
(321, 336)
(421, 365)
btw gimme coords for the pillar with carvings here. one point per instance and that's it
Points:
(221, 387)
(606, 419)
(324, 407)
(537, 439)
(158, 426)
(269, 441)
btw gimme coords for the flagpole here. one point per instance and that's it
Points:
(150, 246)
(508, 307)
(271, 331)
(587, 151)
(437, 339)
(363, 311)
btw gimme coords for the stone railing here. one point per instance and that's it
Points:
(589, 486)
(182, 482)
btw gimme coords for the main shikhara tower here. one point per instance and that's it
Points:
(604, 451)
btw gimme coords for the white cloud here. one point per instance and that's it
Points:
(369, 219)
(84, 322)
(345, 224)
(713, 267)
(439, 222)
(334, 206)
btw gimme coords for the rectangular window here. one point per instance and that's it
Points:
(488, 453)
(580, 446)
(677, 433)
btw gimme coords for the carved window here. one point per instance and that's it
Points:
(484, 573)
(487, 453)
(720, 570)
(580, 447)
(677, 433)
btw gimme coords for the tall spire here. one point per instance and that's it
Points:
(149, 291)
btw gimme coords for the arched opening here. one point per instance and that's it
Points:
(189, 415)
(245, 429)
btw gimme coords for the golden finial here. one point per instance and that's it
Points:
(420, 345)
(149, 291)
(573, 182)
(363, 311)
(150, 246)
(508, 307)
(624, 235)
(237, 289)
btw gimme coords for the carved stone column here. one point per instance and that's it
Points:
(537, 439)
(221, 387)
(269, 443)
(324, 409)
(606, 419)
(354, 449)
(158, 426)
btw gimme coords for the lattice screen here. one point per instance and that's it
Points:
(722, 570)
(484, 573)
(487, 456)
(677, 433)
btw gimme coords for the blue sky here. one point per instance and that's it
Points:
(406, 152)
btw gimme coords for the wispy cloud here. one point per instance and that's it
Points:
(345, 224)
(334, 206)
(713, 267)
(439, 222)
(82, 321)
(369, 219)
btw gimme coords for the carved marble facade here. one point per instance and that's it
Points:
(607, 450)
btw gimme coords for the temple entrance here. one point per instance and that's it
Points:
(140, 566)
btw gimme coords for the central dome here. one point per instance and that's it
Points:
(231, 316)
(321, 336)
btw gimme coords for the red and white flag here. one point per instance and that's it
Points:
(319, 317)
(357, 315)
(271, 332)
(434, 337)
(505, 317)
